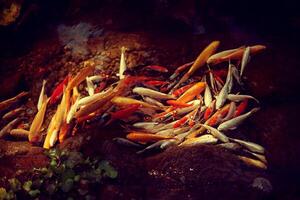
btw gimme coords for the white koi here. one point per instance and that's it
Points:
(234, 122)
(204, 139)
(239, 97)
(217, 134)
(207, 96)
(42, 96)
(222, 96)
(250, 146)
(90, 86)
(73, 110)
(152, 93)
(122, 63)
(245, 60)
(230, 113)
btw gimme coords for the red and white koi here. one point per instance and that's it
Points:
(124, 113)
(230, 113)
(154, 102)
(209, 110)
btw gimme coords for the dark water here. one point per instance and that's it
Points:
(174, 34)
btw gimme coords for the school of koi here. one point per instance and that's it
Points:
(177, 109)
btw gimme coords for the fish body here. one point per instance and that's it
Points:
(192, 92)
(9, 102)
(90, 86)
(204, 139)
(245, 60)
(256, 148)
(122, 67)
(234, 122)
(239, 97)
(152, 93)
(42, 96)
(145, 137)
(7, 128)
(13, 113)
(207, 96)
(200, 61)
(58, 91)
(216, 133)
(34, 131)
(157, 68)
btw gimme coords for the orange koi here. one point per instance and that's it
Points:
(145, 137)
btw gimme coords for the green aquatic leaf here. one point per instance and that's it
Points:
(109, 171)
(27, 186)
(15, 184)
(34, 193)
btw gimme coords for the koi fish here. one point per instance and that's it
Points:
(4, 131)
(204, 139)
(90, 86)
(151, 93)
(200, 61)
(216, 58)
(9, 102)
(89, 67)
(253, 162)
(216, 133)
(239, 97)
(13, 113)
(125, 101)
(237, 55)
(180, 69)
(122, 63)
(34, 131)
(155, 83)
(58, 91)
(250, 145)
(181, 90)
(245, 60)
(207, 96)
(42, 96)
(191, 93)
(157, 68)
(122, 114)
(126, 142)
(19, 133)
(145, 137)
